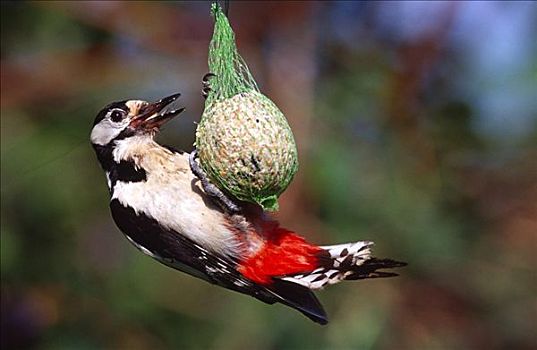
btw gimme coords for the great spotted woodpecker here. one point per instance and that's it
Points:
(161, 207)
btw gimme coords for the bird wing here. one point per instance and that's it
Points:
(181, 253)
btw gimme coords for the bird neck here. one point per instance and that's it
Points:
(120, 159)
(104, 155)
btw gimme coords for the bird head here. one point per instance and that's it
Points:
(123, 119)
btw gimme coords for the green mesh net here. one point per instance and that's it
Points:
(232, 75)
(244, 142)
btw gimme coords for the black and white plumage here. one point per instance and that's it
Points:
(159, 204)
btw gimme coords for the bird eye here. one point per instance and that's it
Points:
(117, 115)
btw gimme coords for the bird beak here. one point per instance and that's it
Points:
(150, 116)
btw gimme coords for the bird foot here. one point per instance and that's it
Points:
(206, 84)
(214, 192)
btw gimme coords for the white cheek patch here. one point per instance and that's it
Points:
(106, 131)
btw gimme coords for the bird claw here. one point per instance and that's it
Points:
(206, 85)
(218, 196)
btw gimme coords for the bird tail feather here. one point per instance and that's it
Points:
(350, 261)
(299, 298)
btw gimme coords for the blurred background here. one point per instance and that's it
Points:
(416, 124)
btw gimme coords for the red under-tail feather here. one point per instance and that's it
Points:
(283, 253)
(287, 256)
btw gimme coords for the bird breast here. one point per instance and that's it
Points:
(173, 196)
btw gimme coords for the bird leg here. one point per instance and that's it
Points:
(206, 85)
(209, 188)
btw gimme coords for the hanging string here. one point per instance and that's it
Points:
(226, 8)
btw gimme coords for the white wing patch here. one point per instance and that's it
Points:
(108, 180)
